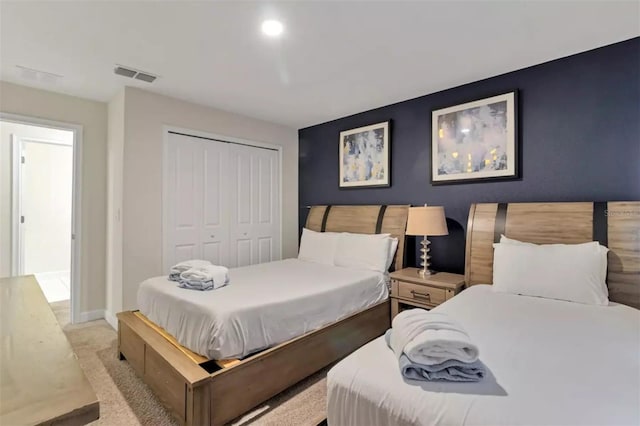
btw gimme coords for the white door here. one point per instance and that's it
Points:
(254, 205)
(196, 217)
(45, 193)
(222, 202)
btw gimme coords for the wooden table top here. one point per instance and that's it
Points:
(40, 378)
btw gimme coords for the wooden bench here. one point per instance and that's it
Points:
(41, 381)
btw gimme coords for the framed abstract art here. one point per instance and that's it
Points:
(475, 141)
(364, 156)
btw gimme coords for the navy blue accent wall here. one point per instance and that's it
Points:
(579, 121)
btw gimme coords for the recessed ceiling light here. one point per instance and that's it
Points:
(272, 28)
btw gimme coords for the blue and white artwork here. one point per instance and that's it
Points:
(364, 156)
(475, 140)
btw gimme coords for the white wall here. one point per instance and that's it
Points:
(21, 100)
(54, 250)
(144, 117)
(115, 152)
(134, 154)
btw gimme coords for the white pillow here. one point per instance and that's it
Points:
(318, 247)
(603, 258)
(570, 272)
(363, 251)
(393, 246)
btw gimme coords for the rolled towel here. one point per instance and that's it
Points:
(206, 277)
(451, 370)
(430, 338)
(178, 268)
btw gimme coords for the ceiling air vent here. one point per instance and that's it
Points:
(38, 75)
(125, 72)
(145, 77)
(134, 73)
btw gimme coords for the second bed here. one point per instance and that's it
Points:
(266, 304)
(548, 361)
(285, 319)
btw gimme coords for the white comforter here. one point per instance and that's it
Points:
(263, 305)
(549, 363)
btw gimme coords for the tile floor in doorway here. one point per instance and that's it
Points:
(55, 285)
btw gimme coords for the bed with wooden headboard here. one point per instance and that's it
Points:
(614, 224)
(199, 395)
(374, 219)
(548, 361)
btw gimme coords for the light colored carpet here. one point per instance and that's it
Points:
(126, 400)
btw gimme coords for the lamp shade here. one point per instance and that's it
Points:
(427, 220)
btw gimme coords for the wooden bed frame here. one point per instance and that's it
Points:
(196, 397)
(614, 224)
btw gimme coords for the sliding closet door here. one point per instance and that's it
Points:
(197, 221)
(254, 178)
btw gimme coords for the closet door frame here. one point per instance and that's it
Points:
(215, 137)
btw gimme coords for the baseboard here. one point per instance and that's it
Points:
(99, 314)
(92, 315)
(111, 319)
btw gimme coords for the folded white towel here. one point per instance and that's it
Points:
(430, 338)
(218, 275)
(179, 268)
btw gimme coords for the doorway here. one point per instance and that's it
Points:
(37, 202)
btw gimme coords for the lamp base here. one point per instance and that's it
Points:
(424, 264)
(426, 273)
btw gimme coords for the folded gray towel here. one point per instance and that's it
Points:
(218, 275)
(450, 370)
(196, 285)
(209, 277)
(178, 268)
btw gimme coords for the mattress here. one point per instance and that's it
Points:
(264, 305)
(549, 363)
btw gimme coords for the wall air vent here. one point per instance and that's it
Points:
(134, 73)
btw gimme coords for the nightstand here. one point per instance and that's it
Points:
(409, 288)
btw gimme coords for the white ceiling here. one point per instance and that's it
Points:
(335, 58)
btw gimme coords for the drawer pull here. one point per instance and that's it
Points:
(418, 295)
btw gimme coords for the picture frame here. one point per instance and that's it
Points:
(364, 156)
(476, 141)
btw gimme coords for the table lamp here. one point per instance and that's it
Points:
(426, 221)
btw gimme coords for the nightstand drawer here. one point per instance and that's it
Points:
(421, 293)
